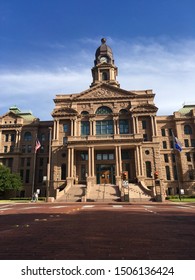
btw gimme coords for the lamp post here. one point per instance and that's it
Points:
(49, 166)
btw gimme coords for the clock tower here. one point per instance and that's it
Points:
(104, 70)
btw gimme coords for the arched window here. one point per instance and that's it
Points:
(123, 112)
(187, 129)
(104, 76)
(104, 110)
(27, 136)
(84, 113)
(148, 169)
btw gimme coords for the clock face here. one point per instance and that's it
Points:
(103, 59)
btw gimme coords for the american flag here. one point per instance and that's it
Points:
(37, 145)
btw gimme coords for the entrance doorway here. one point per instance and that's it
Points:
(105, 173)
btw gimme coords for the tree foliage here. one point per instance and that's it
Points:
(8, 180)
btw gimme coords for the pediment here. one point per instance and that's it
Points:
(104, 92)
(64, 112)
(144, 108)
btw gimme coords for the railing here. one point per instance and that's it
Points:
(101, 137)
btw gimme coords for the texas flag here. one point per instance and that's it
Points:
(177, 143)
(37, 145)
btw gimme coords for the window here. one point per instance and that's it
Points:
(148, 169)
(171, 144)
(23, 149)
(85, 128)
(144, 124)
(167, 169)
(188, 157)
(84, 113)
(170, 132)
(104, 76)
(42, 137)
(84, 156)
(163, 132)
(105, 156)
(193, 142)
(186, 142)
(166, 158)
(28, 161)
(175, 172)
(104, 110)
(123, 127)
(22, 161)
(123, 112)
(104, 127)
(173, 157)
(63, 171)
(6, 137)
(65, 127)
(27, 180)
(11, 149)
(65, 140)
(27, 136)
(187, 129)
(164, 144)
(12, 137)
(145, 137)
(5, 149)
(29, 149)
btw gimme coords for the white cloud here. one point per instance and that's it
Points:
(167, 67)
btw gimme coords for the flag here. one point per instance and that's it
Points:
(177, 143)
(37, 145)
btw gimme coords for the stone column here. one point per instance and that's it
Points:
(89, 161)
(75, 126)
(69, 162)
(92, 161)
(90, 127)
(94, 127)
(137, 160)
(141, 161)
(120, 160)
(117, 161)
(72, 128)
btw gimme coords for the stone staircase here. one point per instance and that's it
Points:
(137, 195)
(73, 194)
(101, 193)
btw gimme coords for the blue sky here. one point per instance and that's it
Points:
(48, 46)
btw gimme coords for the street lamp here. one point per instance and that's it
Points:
(49, 166)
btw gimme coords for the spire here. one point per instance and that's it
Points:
(104, 70)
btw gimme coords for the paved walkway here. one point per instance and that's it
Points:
(97, 231)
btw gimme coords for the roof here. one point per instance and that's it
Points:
(186, 109)
(27, 115)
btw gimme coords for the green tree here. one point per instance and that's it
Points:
(8, 180)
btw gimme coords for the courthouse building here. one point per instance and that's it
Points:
(104, 135)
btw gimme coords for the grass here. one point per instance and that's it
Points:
(183, 199)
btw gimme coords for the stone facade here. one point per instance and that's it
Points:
(99, 135)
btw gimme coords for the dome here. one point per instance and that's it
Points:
(104, 51)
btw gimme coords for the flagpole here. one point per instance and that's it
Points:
(176, 164)
(37, 146)
(33, 178)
